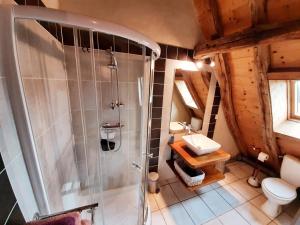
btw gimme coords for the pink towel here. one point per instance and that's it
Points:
(64, 219)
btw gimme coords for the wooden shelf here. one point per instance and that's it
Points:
(195, 161)
(211, 175)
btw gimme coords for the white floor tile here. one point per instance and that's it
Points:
(237, 171)
(215, 202)
(157, 218)
(231, 196)
(198, 210)
(247, 169)
(292, 208)
(283, 219)
(244, 189)
(176, 215)
(213, 222)
(229, 178)
(172, 180)
(216, 185)
(152, 202)
(165, 197)
(259, 201)
(204, 189)
(163, 182)
(181, 191)
(232, 218)
(252, 214)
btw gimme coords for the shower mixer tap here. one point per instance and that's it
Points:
(118, 104)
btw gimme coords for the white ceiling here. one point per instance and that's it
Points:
(172, 22)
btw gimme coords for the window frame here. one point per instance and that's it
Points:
(191, 92)
(292, 93)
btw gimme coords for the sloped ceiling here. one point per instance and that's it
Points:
(172, 22)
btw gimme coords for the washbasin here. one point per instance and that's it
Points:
(200, 144)
(176, 128)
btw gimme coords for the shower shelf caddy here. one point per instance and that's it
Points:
(206, 162)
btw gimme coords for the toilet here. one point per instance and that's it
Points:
(281, 191)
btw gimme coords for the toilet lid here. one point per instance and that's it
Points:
(279, 188)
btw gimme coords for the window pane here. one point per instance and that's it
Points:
(185, 93)
(297, 98)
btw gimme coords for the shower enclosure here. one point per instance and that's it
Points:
(81, 93)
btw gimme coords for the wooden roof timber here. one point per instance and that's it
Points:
(263, 34)
(284, 73)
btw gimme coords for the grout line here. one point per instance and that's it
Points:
(43, 78)
(2, 170)
(242, 216)
(7, 218)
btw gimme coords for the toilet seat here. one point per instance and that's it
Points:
(279, 189)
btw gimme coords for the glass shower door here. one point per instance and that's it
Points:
(87, 98)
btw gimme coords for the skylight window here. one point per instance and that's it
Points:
(185, 94)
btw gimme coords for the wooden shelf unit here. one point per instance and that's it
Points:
(206, 162)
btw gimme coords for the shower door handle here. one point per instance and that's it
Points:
(137, 166)
(140, 90)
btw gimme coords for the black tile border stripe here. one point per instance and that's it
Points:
(10, 212)
(167, 52)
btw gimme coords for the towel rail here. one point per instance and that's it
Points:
(78, 209)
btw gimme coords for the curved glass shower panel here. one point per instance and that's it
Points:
(45, 89)
(87, 98)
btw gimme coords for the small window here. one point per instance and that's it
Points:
(295, 99)
(186, 94)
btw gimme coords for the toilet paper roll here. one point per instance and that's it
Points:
(262, 156)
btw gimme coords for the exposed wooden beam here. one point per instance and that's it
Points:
(262, 62)
(208, 17)
(223, 75)
(258, 11)
(211, 27)
(284, 73)
(260, 35)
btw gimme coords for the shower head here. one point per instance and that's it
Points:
(113, 64)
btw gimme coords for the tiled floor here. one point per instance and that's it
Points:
(229, 202)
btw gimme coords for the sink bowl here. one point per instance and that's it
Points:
(176, 128)
(200, 144)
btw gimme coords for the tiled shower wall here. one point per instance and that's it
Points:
(46, 91)
(116, 169)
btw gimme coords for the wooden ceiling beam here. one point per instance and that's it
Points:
(263, 34)
(284, 73)
(261, 65)
(208, 18)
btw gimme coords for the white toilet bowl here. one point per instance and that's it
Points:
(278, 193)
(281, 191)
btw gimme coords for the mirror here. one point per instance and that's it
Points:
(189, 100)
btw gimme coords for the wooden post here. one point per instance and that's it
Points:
(261, 62)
